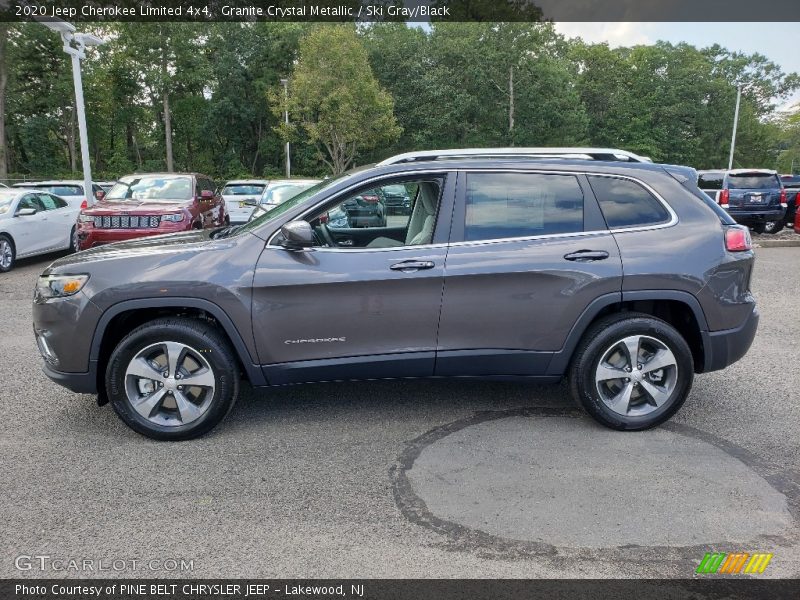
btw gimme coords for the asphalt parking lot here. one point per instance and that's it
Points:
(410, 478)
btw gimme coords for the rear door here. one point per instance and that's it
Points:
(57, 222)
(529, 252)
(754, 192)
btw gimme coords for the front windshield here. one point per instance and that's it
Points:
(281, 192)
(242, 189)
(147, 187)
(291, 203)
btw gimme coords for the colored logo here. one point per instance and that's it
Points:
(733, 563)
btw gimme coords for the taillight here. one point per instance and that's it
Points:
(724, 196)
(737, 239)
(372, 199)
(84, 204)
(783, 198)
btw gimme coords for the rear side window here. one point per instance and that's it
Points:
(753, 181)
(507, 205)
(710, 181)
(626, 203)
(62, 190)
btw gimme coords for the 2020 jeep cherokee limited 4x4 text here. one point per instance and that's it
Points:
(616, 273)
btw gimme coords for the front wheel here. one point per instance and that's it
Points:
(773, 226)
(173, 379)
(74, 243)
(632, 371)
(8, 255)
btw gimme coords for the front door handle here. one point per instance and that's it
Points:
(409, 266)
(587, 255)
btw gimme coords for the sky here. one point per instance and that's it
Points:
(776, 41)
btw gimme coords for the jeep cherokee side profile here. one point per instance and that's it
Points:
(531, 264)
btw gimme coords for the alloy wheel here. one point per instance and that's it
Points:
(6, 254)
(636, 375)
(170, 384)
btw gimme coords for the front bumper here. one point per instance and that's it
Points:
(723, 348)
(89, 237)
(80, 383)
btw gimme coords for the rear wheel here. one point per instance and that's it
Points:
(773, 226)
(172, 379)
(632, 371)
(759, 227)
(8, 254)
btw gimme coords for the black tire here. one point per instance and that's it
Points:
(200, 337)
(597, 341)
(13, 251)
(759, 228)
(773, 227)
(74, 244)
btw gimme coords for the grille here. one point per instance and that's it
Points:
(128, 222)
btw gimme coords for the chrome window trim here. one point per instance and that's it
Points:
(671, 223)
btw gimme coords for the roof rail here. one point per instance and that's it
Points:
(607, 154)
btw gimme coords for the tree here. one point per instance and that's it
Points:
(334, 94)
(3, 83)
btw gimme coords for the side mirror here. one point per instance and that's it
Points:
(99, 194)
(251, 202)
(297, 235)
(206, 195)
(25, 212)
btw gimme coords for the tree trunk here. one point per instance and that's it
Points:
(511, 105)
(167, 117)
(3, 82)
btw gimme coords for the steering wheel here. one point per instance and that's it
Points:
(326, 235)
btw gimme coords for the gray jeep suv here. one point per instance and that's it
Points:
(527, 263)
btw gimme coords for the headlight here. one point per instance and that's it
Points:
(82, 218)
(175, 218)
(59, 286)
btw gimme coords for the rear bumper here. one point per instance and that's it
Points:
(723, 348)
(757, 216)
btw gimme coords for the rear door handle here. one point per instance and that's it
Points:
(409, 266)
(587, 255)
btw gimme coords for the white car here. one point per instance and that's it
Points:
(69, 190)
(34, 222)
(241, 197)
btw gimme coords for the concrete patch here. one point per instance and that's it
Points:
(563, 482)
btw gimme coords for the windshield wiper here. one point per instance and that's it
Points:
(224, 232)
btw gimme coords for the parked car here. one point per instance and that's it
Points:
(33, 222)
(241, 197)
(621, 276)
(791, 183)
(367, 209)
(397, 200)
(69, 190)
(152, 204)
(753, 197)
(279, 191)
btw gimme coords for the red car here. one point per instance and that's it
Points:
(151, 204)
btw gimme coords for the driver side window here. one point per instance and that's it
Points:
(392, 214)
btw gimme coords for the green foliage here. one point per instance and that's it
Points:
(336, 98)
(358, 95)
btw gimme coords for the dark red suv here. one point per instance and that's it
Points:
(152, 204)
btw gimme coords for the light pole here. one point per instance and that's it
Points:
(285, 83)
(735, 123)
(75, 45)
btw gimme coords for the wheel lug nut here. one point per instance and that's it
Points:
(178, 375)
(639, 367)
(627, 380)
(628, 369)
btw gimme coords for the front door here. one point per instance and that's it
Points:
(530, 251)
(364, 302)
